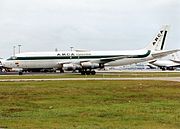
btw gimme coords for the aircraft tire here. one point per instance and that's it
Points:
(83, 72)
(88, 72)
(61, 71)
(20, 73)
(93, 72)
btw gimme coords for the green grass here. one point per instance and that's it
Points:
(90, 105)
(105, 75)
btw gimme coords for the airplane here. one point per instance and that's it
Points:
(169, 64)
(85, 62)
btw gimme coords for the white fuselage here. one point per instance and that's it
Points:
(55, 59)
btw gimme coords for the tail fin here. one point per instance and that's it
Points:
(159, 41)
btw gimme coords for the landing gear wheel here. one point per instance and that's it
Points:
(61, 71)
(83, 73)
(93, 72)
(88, 72)
(20, 73)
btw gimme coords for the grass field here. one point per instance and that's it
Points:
(90, 105)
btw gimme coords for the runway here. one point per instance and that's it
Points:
(176, 79)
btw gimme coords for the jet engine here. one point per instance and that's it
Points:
(70, 67)
(89, 65)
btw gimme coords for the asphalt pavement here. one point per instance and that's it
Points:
(177, 79)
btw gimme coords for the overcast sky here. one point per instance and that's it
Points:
(43, 25)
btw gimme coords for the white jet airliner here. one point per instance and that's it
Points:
(86, 61)
(169, 64)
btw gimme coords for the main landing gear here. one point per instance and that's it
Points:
(61, 71)
(20, 72)
(88, 72)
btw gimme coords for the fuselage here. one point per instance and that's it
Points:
(55, 59)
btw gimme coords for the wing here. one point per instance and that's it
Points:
(107, 60)
(156, 54)
(99, 61)
(164, 53)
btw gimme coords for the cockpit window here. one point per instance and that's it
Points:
(12, 58)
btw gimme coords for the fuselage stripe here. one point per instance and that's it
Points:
(77, 57)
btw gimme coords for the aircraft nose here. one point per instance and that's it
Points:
(0, 63)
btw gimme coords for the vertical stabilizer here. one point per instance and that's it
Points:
(159, 41)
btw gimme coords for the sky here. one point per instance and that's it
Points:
(43, 25)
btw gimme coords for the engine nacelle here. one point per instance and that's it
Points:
(70, 67)
(89, 65)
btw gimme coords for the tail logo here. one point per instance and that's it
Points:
(158, 36)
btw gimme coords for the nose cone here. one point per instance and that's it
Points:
(2, 63)
(1, 60)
